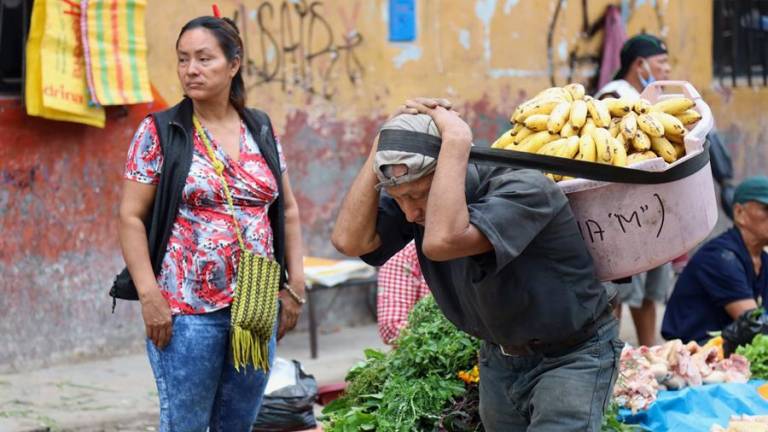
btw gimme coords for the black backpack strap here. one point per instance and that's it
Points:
(550, 164)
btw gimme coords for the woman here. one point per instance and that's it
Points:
(186, 307)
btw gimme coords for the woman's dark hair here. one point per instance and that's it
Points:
(228, 36)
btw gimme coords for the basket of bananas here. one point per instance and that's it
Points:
(633, 214)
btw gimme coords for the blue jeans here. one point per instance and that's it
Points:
(198, 385)
(566, 392)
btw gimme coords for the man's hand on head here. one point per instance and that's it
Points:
(451, 126)
(416, 105)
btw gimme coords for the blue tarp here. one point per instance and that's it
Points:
(698, 408)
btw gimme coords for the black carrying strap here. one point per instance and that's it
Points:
(416, 142)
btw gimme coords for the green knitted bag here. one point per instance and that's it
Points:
(254, 307)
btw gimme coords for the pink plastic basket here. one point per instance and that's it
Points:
(633, 228)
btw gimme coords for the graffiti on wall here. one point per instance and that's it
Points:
(295, 46)
(580, 59)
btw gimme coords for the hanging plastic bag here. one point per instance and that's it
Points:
(55, 84)
(115, 45)
(289, 399)
(744, 329)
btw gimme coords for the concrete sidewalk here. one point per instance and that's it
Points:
(119, 394)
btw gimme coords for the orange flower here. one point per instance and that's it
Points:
(470, 376)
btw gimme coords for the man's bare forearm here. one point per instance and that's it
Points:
(355, 231)
(447, 214)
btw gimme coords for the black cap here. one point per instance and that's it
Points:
(639, 46)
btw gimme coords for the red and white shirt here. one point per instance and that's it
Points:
(401, 286)
(198, 270)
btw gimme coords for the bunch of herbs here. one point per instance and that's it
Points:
(407, 388)
(757, 354)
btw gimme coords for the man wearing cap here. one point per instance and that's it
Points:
(502, 254)
(644, 60)
(727, 275)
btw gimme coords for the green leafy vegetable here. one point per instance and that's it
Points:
(409, 387)
(415, 387)
(757, 354)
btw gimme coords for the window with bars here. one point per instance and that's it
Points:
(740, 42)
(14, 26)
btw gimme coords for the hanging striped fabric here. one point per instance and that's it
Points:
(115, 48)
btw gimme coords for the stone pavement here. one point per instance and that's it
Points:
(119, 395)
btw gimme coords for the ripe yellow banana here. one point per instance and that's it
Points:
(618, 107)
(642, 106)
(578, 113)
(662, 147)
(648, 124)
(568, 130)
(624, 142)
(603, 145)
(628, 125)
(551, 148)
(576, 90)
(689, 117)
(558, 117)
(523, 134)
(504, 140)
(677, 139)
(569, 148)
(517, 127)
(587, 150)
(556, 92)
(599, 112)
(679, 149)
(543, 105)
(640, 156)
(641, 142)
(619, 153)
(614, 127)
(589, 127)
(672, 125)
(536, 122)
(675, 105)
(534, 142)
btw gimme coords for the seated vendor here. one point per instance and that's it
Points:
(727, 275)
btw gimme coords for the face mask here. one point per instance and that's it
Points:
(646, 82)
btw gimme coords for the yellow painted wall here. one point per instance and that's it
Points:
(464, 49)
(485, 55)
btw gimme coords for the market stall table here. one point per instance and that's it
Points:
(326, 274)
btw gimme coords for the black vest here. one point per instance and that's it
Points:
(175, 131)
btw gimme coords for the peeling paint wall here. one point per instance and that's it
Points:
(59, 193)
(327, 74)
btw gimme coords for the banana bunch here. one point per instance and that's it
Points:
(565, 122)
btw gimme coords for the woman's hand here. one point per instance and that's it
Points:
(157, 318)
(291, 309)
